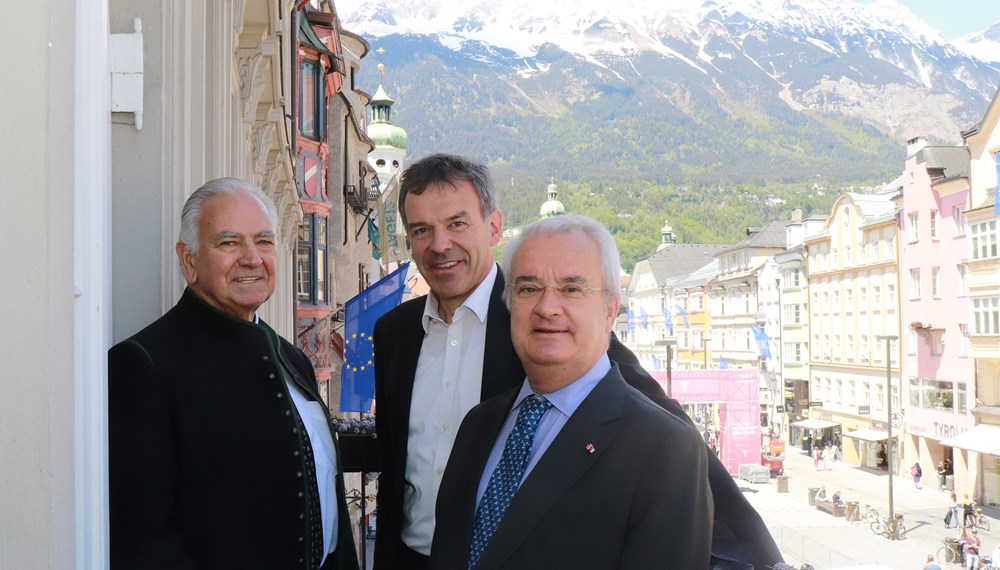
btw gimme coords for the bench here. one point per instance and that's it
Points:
(829, 507)
(753, 473)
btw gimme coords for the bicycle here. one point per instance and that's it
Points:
(883, 526)
(951, 553)
(870, 514)
(980, 520)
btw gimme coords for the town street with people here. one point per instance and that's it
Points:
(807, 535)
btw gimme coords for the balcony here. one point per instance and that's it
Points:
(357, 200)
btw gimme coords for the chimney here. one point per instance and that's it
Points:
(797, 214)
(915, 145)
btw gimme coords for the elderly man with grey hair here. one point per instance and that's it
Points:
(574, 468)
(221, 450)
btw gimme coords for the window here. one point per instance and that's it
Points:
(890, 247)
(876, 298)
(913, 226)
(863, 254)
(963, 286)
(933, 394)
(958, 215)
(839, 395)
(795, 277)
(863, 299)
(936, 282)
(934, 224)
(891, 294)
(876, 251)
(865, 357)
(915, 283)
(303, 264)
(986, 315)
(311, 99)
(849, 299)
(792, 315)
(984, 239)
(963, 350)
(937, 342)
(310, 260)
(866, 397)
(852, 392)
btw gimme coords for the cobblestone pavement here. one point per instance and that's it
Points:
(805, 534)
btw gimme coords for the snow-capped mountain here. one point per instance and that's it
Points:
(672, 72)
(985, 45)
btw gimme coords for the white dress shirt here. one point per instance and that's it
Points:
(447, 384)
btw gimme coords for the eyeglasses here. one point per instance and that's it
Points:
(533, 291)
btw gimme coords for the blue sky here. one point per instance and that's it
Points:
(954, 18)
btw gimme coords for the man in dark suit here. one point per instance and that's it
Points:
(449, 210)
(574, 468)
(221, 451)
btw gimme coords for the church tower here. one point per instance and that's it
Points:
(552, 206)
(390, 140)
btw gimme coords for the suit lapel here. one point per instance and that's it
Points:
(565, 461)
(406, 373)
(502, 368)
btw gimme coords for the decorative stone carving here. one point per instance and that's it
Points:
(261, 139)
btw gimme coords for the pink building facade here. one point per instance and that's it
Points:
(937, 374)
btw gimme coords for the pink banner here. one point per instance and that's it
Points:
(738, 394)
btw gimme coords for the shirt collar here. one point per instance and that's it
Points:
(478, 301)
(568, 398)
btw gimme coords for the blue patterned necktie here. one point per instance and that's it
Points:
(506, 478)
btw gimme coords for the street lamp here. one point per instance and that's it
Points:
(669, 344)
(893, 528)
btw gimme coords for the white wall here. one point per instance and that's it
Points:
(54, 189)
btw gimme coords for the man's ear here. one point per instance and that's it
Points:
(186, 260)
(495, 223)
(613, 307)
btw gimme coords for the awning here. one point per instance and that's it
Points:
(815, 424)
(868, 434)
(982, 438)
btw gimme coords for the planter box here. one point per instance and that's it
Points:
(358, 453)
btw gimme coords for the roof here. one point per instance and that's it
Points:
(772, 235)
(875, 207)
(681, 259)
(696, 278)
(953, 161)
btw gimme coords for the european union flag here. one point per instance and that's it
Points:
(360, 313)
(631, 318)
(723, 365)
(644, 317)
(763, 342)
(668, 319)
(657, 363)
(684, 315)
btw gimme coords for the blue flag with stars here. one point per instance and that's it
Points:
(360, 314)
(684, 315)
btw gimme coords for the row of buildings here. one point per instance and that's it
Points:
(876, 325)
(117, 112)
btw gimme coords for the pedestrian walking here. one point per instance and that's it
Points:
(942, 475)
(817, 452)
(917, 473)
(972, 545)
(952, 512)
(827, 457)
(968, 511)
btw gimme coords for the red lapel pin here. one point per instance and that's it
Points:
(590, 447)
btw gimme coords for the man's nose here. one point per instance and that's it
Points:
(440, 241)
(249, 255)
(548, 303)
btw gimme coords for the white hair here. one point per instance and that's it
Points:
(610, 260)
(191, 212)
